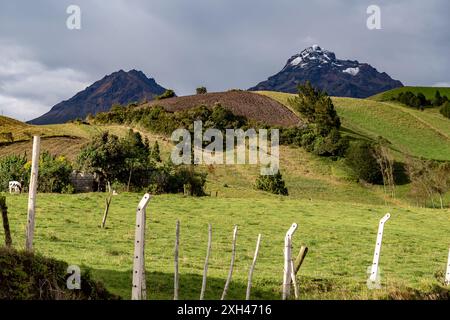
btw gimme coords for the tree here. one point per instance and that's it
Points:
(155, 154)
(201, 90)
(317, 110)
(437, 99)
(361, 158)
(386, 166)
(104, 155)
(136, 153)
(272, 183)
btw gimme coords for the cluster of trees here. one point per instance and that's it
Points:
(54, 172)
(320, 134)
(158, 120)
(429, 179)
(419, 101)
(131, 162)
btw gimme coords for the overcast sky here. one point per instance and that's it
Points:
(220, 44)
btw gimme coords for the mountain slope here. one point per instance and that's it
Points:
(342, 78)
(117, 88)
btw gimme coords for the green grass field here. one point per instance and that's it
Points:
(340, 236)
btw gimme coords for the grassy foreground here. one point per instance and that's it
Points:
(340, 236)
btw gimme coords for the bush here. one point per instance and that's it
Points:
(54, 174)
(445, 110)
(272, 183)
(201, 90)
(170, 179)
(360, 157)
(12, 168)
(169, 93)
(25, 276)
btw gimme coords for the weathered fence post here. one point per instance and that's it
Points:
(176, 279)
(447, 274)
(32, 194)
(288, 261)
(300, 258)
(252, 268)
(138, 291)
(205, 268)
(107, 204)
(230, 273)
(376, 256)
(4, 209)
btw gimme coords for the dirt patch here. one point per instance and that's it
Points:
(250, 105)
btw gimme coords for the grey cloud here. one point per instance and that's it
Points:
(225, 44)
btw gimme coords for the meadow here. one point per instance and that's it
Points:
(340, 237)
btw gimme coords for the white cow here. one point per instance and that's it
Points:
(15, 186)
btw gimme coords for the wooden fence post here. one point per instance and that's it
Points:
(176, 280)
(447, 273)
(32, 194)
(376, 256)
(4, 209)
(230, 273)
(252, 267)
(205, 268)
(107, 204)
(138, 291)
(288, 261)
(299, 260)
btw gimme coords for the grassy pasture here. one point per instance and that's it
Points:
(340, 235)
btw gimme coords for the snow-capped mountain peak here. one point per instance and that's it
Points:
(338, 77)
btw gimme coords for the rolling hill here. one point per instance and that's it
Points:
(244, 103)
(427, 91)
(419, 133)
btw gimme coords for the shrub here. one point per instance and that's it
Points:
(12, 168)
(445, 110)
(272, 183)
(201, 90)
(26, 276)
(54, 173)
(360, 157)
(169, 93)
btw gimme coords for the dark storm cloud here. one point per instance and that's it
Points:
(221, 44)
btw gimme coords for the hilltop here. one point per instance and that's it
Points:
(248, 104)
(428, 92)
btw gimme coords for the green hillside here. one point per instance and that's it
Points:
(427, 91)
(419, 133)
